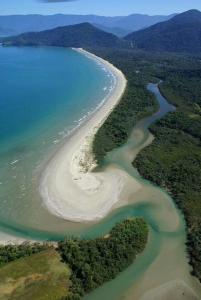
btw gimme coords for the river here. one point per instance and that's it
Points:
(164, 259)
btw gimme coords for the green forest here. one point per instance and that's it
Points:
(94, 262)
(173, 161)
(135, 104)
(71, 268)
(10, 252)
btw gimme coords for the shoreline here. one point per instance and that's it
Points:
(114, 176)
(69, 188)
(8, 239)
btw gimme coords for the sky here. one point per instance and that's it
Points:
(100, 7)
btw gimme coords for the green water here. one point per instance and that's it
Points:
(164, 258)
(44, 95)
(28, 218)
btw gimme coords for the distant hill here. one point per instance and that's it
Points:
(137, 22)
(180, 34)
(6, 31)
(80, 35)
(121, 25)
(120, 32)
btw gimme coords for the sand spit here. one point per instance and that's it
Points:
(68, 186)
(7, 239)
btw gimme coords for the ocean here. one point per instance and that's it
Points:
(45, 94)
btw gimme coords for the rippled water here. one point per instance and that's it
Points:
(48, 80)
(44, 95)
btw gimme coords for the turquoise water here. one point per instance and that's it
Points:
(44, 94)
(164, 258)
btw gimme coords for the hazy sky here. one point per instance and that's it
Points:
(101, 7)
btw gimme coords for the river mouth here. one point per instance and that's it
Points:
(164, 259)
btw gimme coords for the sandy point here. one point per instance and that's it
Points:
(68, 186)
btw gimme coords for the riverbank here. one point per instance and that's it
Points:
(166, 246)
(176, 166)
(6, 239)
(167, 239)
(69, 188)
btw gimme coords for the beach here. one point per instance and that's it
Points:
(72, 189)
(69, 187)
(7, 239)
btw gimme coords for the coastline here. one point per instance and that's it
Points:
(7, 239)
(109, 174)
(68, 186)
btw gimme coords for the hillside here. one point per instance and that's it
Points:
(180, 34)
(118, 31)
(19, 24)
(72, 269)
(81, 35)
(6, 31)
(39, 276)
(136, 22)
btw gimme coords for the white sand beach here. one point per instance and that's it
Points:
(72, 191)
(7, 239)
(68, 186)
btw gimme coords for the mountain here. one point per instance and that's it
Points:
(80, 35)
(180, 34)
(6, 31)
(29, 23)
(136, 22)
(120, 32)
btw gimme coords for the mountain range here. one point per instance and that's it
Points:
(121, 25)
(79, 35)
(180, 34)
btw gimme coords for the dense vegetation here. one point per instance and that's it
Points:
(136, 103)
(41, 276)
(173, 161)
(96, 261)
(179, 34)
(10, 253)
(80, 35)
(140, 68)
(121, 26)
(36, 271)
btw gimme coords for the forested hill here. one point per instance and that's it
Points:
(81, 35)
(180, 34)
(120, 25)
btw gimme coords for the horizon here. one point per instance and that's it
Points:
(71, 14)
(89, 7)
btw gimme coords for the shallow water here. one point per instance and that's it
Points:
(164, 258)
(44, 95)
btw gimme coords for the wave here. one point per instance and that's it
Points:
(109, 89)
